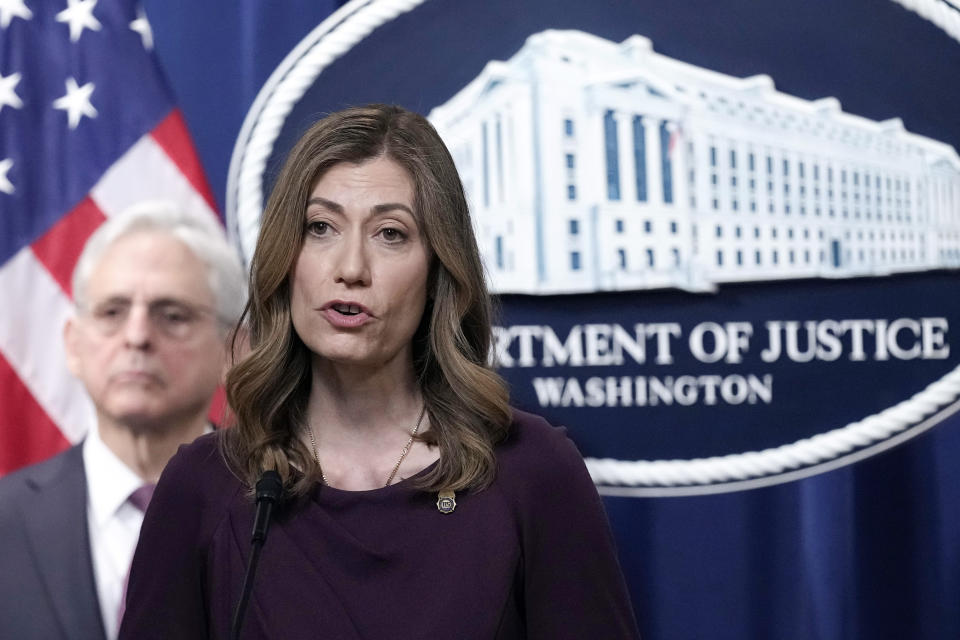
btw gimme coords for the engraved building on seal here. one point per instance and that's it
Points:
(591, 165)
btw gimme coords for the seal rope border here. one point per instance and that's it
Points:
(943, 13)
(352, 23)
(800, 459)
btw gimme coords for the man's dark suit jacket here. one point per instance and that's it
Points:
(47, 588)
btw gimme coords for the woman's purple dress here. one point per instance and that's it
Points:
(529, 557)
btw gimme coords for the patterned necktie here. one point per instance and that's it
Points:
(140, 498)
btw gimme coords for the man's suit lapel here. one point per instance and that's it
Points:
(57, 524)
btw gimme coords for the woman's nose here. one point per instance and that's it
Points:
(353, 262)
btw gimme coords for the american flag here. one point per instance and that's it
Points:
(88, 126)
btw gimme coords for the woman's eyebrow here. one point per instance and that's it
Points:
(376, 209)
(391, 206)
(326, 204)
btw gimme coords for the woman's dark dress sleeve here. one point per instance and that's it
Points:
(572, 583)
(166, 594)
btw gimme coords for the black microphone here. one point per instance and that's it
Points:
(269, 490)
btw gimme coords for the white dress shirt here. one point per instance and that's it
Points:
(113, 522)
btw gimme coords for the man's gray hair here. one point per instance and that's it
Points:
(201, 233)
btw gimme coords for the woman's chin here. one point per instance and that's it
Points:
(350, 358)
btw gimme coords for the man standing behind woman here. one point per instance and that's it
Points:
(157, 294)
(418, 504)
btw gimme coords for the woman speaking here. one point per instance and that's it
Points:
(416, 503)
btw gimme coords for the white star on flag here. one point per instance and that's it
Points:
(142, 26)
(10, 9)
(79, 14)
(76, 102)
(5, 185)
(9, 97)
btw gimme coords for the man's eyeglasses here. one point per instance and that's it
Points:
(172, 318)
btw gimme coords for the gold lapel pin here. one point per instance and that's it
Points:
(446, 501)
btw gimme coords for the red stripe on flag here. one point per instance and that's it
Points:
(27, 434)
(217, 414)
(59, 248)
(174, 138)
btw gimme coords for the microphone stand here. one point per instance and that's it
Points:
(269, 489)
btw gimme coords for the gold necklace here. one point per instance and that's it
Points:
(396, 467)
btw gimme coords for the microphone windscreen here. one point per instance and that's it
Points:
(269, 486)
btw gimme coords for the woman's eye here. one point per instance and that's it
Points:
(392, 235)
(317, 227)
